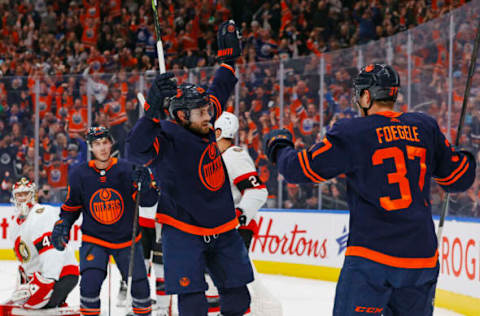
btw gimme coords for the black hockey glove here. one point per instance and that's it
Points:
(228, 41)
(142, 175)
(61, 233)
(164, 86)
(275, 140)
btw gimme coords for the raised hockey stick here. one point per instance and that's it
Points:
(158, 33)
(132, 249)
(161, 57)
(471, 71)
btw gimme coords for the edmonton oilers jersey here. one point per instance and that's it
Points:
(189, 167)
(106, 198)
(389, 160)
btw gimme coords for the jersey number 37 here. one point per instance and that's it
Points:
(399, 176)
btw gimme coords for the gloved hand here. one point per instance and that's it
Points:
(164, 86)
(61, 234)
(275, 140)
(142, 175)
(245, 222)
(228, 41)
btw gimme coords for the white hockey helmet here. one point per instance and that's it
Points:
(228, 124)
(24, 202)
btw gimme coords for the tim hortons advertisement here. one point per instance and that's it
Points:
(304, 238)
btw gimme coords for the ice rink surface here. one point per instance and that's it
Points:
(299, 297)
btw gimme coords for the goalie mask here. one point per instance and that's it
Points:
(24, 196)
(228, 124)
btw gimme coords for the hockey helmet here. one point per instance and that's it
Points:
(98, 132)
(188, 97)
(23, 203)
(381, 80)
(228, 124)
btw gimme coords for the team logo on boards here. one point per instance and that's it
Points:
(106, 206)
(21, 250)
(210, 168)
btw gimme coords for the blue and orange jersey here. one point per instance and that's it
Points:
(389, 160)
(106, 199)
(188, 167)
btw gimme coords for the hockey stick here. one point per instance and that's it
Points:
(109, 286)
(132, 248)
(161, 58)
(471, 71)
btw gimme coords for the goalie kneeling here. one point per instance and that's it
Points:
(46, 275)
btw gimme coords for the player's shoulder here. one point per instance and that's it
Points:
(420, 118)
(236, 153)
(43, 215)
(345, 128)
(78, 170)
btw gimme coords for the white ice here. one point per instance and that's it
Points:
(299, 297)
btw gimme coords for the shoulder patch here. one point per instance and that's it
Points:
(238, 149)
(40, 210)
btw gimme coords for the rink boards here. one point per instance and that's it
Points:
(311, 244)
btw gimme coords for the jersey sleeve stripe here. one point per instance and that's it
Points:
(217, 104)
(452, 175)
(458, 176)
(68, 208)
(323, 149)
(244, 176)
(156, 145)
(106, 244)
(307, 164)
(398, 262)
(196, 230)
(228, 67)
(39, 243)
(300, 159)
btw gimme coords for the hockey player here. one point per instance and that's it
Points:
(249, 195)
(46, 275)
(389, 158)
(199, 231)
(104, 191)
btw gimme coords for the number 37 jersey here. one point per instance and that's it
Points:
(389, 160)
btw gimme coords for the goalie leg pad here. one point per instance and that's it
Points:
(192, 304)
(234, 301)
(62, 288)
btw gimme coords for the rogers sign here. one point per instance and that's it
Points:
(460, 257)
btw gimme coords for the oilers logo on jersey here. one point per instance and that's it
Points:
(106, 206)
(210, 169)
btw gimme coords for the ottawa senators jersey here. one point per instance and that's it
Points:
(106, 199)
(33, 248)
(249, 193)
(389, 160)
(188, 167)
